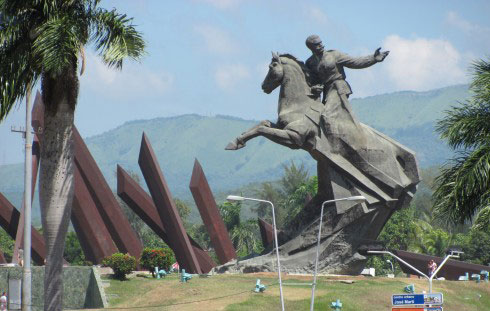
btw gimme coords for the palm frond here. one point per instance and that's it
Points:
(115, 37)
(466, 126)
(57, 44)
(482, 220)
(463, 186)
(15, 72)
(481, 81)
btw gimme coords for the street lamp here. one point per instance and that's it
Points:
(392, 269)
(451, 254)
(239, 198)
(357, 199)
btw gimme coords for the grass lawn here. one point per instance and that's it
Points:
(234, 293)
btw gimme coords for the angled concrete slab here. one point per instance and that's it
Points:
(203, 196)
(266, 232)
(89, 226)
(142, 204)
(9, 220)
(117, 224)
(166, 208)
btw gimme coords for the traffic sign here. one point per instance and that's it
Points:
(417, 309)
(417, 299)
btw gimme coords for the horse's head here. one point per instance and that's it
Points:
(274, 76)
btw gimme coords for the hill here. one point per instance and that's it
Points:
(408, 117)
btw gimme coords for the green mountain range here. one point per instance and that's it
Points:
(408, 117)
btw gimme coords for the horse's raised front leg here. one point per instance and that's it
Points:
(253, 132)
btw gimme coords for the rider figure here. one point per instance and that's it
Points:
(327, 67)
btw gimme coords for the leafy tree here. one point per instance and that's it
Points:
(475, 245)
(200, 234)
(73, 251)
(230, 212)
(162, 258)
(463, 188)
(40, 40)
(6, 244)
(121, 264)
(184, 211)
(296, 201)
(433, 242)
(151, 239)
(398, 233)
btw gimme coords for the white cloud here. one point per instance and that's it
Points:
(316, 14)
(455, 20)
(222, 4)
(133, 79)
(476, 35)
(422, 64)
(216, 40)
(228, 76)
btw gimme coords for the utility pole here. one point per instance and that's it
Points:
(26, 267)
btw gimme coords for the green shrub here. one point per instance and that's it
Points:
(162, 258)
(121, 264)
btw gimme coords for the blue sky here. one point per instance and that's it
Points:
(210, 56)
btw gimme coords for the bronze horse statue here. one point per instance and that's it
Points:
(353, 159)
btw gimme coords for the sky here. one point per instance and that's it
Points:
(209, 57)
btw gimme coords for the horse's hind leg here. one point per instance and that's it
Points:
(253, 132)
(286, 138)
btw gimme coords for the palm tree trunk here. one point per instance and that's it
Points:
(56, 186)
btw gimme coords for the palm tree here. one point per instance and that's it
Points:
(463, 187)
(245, 237)
(294, 176)
(270, 192)
(244, 234)
(41, 40)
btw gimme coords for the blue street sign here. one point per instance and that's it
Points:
(417, 299)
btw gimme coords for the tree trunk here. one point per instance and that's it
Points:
(56, 186)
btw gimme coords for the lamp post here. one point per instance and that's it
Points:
(239, 198)
(357, 199)
(451, 254)
(392, 268)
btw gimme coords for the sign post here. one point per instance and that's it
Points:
(417, 302)
(417, 299)
(417, 309)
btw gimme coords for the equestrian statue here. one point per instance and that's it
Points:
(353, 159)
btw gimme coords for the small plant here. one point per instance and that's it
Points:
(121, 264)
(157, 257)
